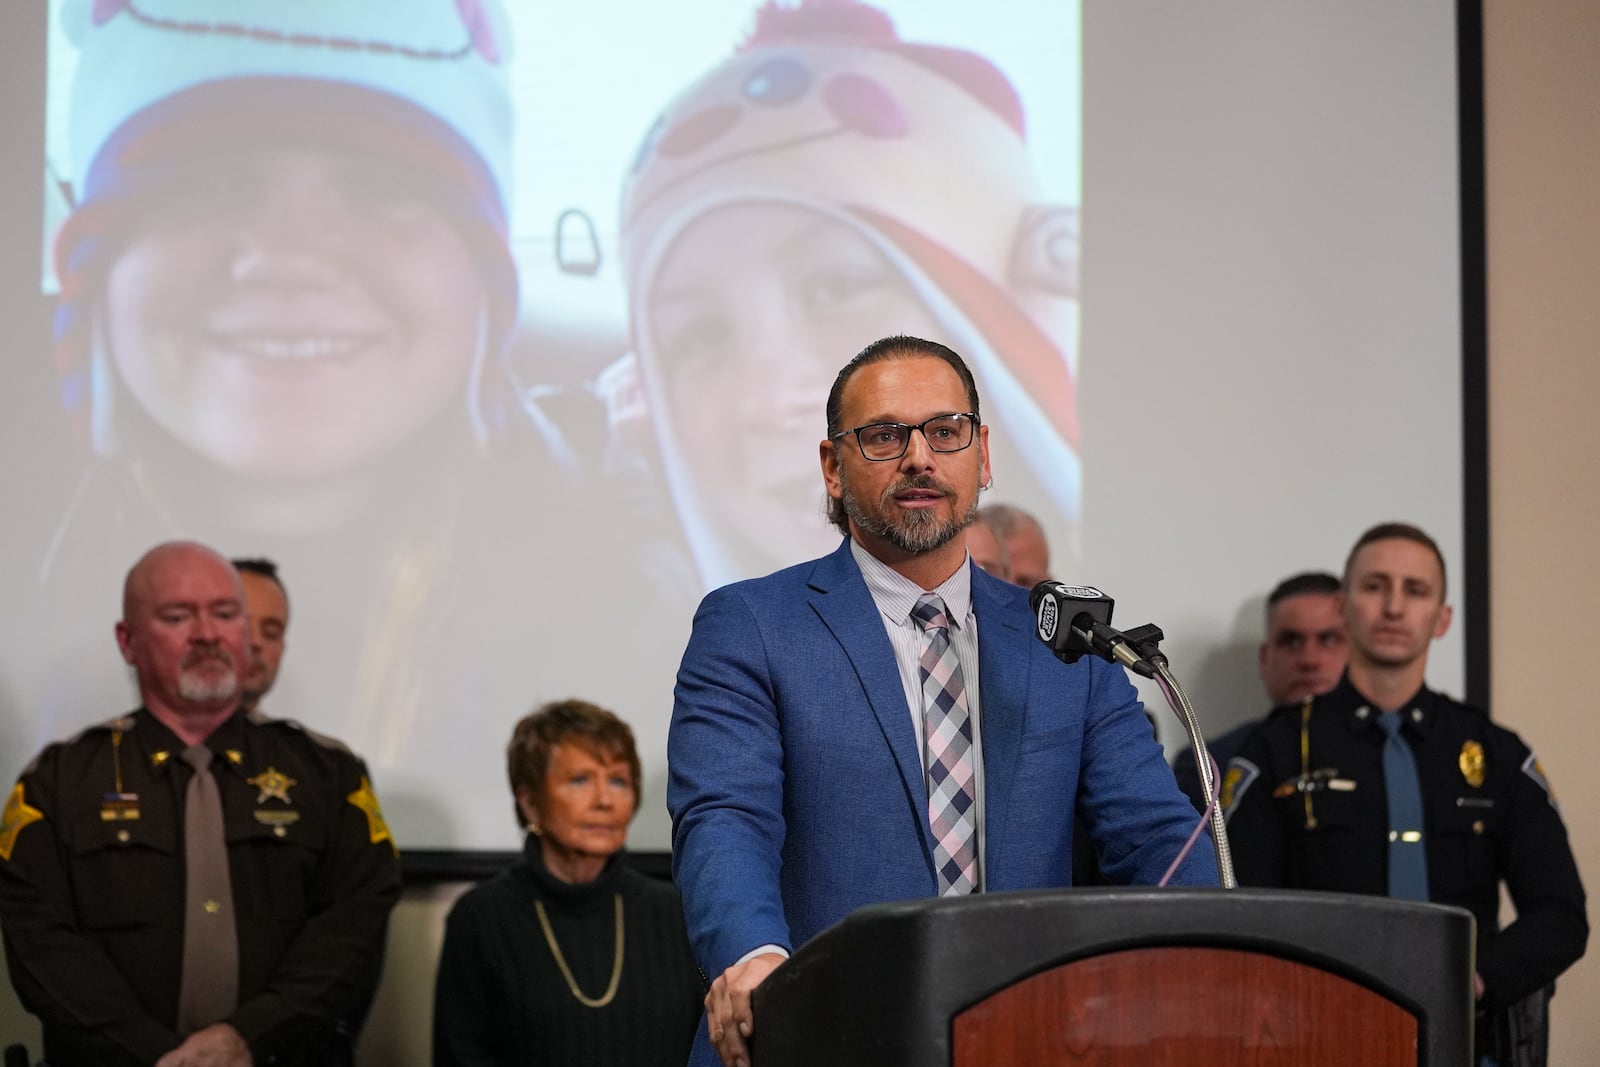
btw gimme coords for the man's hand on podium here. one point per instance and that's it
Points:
(728, 1013)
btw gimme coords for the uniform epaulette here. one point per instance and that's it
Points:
(260, 718)
(119, 725)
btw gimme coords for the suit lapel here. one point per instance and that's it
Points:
(1003, 646)
(840, 597)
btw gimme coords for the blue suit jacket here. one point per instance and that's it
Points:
(795, 782)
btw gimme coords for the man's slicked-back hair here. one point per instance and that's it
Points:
(1404, 531)
(899, 346)
(1300, 584)
(266, 568)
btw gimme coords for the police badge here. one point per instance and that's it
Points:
(1471, 763)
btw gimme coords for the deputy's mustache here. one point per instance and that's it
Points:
(203, 655)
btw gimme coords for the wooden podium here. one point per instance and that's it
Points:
(1135, 977)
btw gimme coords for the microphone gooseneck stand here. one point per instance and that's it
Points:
(1075, 621)
(1145, 639)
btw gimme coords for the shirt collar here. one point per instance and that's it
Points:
(163, 747)
(1417, 714)
(896, 595)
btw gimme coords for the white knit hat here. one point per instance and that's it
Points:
(445, 57)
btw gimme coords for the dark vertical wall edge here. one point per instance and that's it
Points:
(1474, 350)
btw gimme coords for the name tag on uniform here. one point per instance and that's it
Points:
(1316, 782)
(279, 820)
(271, 817)
(119, 807)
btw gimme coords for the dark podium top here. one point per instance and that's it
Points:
(882, 988)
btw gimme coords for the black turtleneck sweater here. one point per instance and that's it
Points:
(501, 1000)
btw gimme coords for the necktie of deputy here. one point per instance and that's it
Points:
(208, 990)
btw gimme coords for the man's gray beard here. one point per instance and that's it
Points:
(918, 531)
(195, 687)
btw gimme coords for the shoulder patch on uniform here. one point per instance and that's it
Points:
(1236, 781)
(18, 815)
(377, 830)
(1532, 769)
(257, 718)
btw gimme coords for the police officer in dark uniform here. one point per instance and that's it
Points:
(1301, 655)
(191, 884)
(1318, 798)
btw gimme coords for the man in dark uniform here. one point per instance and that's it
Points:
(266, 601)
(1301, 655)
(191, 885)
(1320, 798)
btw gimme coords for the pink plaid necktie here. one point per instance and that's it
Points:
(947, 738)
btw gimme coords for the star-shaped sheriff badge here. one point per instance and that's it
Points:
(274, 785)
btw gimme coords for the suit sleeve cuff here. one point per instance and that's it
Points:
(762, 951)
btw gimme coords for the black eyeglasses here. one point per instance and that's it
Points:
(883, 441)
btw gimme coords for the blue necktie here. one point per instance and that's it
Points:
(1408, 853)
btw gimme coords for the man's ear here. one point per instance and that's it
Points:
(125, 641)
(831, 478)
(985, 475)
(1442, 623)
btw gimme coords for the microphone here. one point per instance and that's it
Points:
(1075, 620)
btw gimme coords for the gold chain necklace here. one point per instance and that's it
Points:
(566, 972)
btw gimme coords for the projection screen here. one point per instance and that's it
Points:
(505, 329)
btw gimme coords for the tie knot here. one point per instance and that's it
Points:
(1390, 722)
(929, 612)
(197, 756)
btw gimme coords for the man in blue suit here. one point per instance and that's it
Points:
(836, 743)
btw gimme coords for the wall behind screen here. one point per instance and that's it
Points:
(1270, 362)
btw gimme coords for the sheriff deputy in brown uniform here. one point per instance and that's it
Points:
(1385, 787)
(191, 885)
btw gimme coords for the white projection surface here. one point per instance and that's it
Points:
(506, 330)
